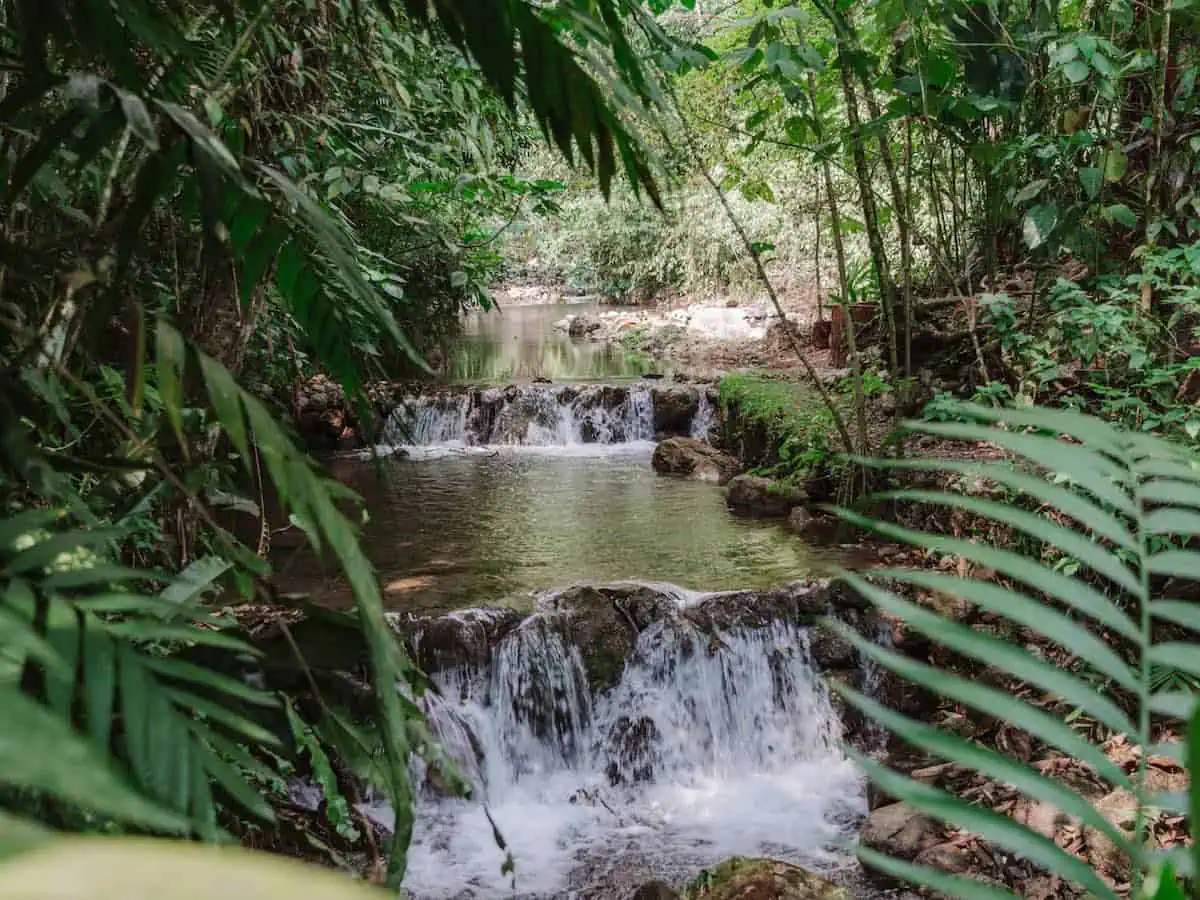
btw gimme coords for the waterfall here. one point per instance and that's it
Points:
(539, 415)
(705, 418)
(709, 746)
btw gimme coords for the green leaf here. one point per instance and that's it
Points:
(1121, 214)
(226, 399)
(1076, 71)
(193, 581)
(1092, 180)
(946, 885)
(1030, 191)
(1067, 590)
(170, 355)
(1115, 163)
(1068, 541)
(42, 753)
(1038, 224)
(1038, 616)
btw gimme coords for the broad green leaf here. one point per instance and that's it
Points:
(184, 671)
(1072, 503)
(226, 400)
(1035, 615)
(1180, 612)
(99, 683)
(1038, 224)
(1092, 180)
(1121, 214)
(42, 753)
(1030, 191)
(171, 357)
(1177, 655)
(1115, 163)
(195, 580)
(1092, 471)
(233, 782)
(221, 714)
(1076, 71)
(1179, 563)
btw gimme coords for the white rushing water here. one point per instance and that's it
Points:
(706, 748)
(528, 416)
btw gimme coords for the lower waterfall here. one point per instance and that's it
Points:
(709, 746)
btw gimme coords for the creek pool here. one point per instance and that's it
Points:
(458, 527)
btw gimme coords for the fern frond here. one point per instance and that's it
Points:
(1124, 493)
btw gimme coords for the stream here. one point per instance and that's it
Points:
(502, 496)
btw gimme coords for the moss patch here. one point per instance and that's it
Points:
(741, 878)
(779, 428)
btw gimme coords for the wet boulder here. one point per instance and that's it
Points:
(798, 602)
(815, 528)
(899, 831)
(604, 621)
(674, 409)
(582, 326)
(693, 458)
(754, 495)
(743, 878)
(460, 639)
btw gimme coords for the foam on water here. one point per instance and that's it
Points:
(716, 746)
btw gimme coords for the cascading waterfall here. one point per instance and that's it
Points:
(709, 746)
(705, 418)
(539, 415)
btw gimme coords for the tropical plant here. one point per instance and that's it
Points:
(1132, 499)
(171, 174)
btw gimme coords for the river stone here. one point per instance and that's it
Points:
(742, 878)
(604, 621)
(816, 528)
(753, 495)
(674, 410)
(581, 326)
(695, 458)
(829, 650)
(899, 831)
(463, 638)
(798, 602)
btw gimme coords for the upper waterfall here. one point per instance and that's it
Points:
(547, 415)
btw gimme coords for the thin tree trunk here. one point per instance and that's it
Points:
(900, 205)
(839, 248)
(887, 292)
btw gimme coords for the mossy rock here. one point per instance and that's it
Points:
(742, 878)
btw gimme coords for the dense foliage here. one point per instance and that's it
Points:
(206, 202)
